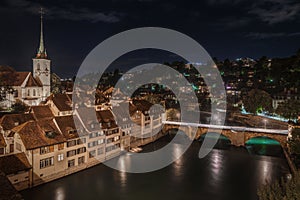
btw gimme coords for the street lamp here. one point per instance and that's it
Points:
(265, 121)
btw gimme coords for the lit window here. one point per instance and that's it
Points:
(60, 157)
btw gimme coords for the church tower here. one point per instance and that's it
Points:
(41, 65)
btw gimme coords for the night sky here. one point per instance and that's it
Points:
(225, 28)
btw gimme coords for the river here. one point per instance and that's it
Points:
(227, 173)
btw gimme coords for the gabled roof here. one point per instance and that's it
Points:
(8, 192)
(2, 141)
(88, 118)
(62, 102)
(67, 126)
(10, 121)
(42, 112)
(106, 118)
(117, 94)
(34, 135)
(21, 77)
(122, 112)
(14, 163)
(33, 82)
(142, 105)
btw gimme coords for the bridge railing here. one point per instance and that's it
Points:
(233, 128)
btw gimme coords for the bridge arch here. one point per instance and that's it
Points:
(215, 135)
(281, 139)
(264, 145)
(262, 140)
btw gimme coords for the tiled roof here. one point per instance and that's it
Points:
(21, 76)
(8, 192)
(32, 82)
(14, 163)
(48, 125)
(122, 112)
(106, 118)
(42, 112)
(142, 105)
(62, 102)
(67, 126)
(2, 141)
(108, 91)
(37, 134)
(10, 121)
(88, 117)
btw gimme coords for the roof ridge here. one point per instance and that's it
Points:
(21, 126)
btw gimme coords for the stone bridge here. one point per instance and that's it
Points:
(237, 135)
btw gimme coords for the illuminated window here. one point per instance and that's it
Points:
(60, 157)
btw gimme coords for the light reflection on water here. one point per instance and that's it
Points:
(223, 174)
(60, 193)
(178, 164)
(217, 164)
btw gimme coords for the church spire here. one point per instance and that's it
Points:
(41, 51)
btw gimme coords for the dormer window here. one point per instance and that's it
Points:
(73, 131)
(50, 134)
(16, 123)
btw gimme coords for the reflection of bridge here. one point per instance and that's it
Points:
(238, 135)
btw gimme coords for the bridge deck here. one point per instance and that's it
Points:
(233, 128)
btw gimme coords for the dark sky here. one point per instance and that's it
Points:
(225, 28)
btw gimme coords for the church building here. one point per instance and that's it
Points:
(33, 87)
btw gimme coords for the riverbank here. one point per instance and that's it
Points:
(223, 174)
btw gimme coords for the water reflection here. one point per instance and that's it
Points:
(178, 164)
(266, 171)
(60, 193)
(223, 174)
(121, 176)
(216, 159)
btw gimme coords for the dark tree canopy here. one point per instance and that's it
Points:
(257, 100)
(289, 109)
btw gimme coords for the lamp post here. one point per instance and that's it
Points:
(265, 121)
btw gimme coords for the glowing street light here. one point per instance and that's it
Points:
(265, 121)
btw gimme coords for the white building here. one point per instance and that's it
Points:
(33, 87)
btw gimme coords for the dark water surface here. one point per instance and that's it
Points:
(226, 173)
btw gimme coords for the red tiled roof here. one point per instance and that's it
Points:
(21, 76)
(32, 82)
(10, 121)
(142, 105)
(2, 141)
(34, 136)
(88, 117)
(62, 102)
(8, 192)
(42, 112)
(106, 118)
(14, 163)
(67, 126)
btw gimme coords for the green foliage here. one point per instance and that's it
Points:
(284, 190)
(7, 77)
(294, 145)
(19, 107)
(257, 99)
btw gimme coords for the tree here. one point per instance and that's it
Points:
(289, 109)
(284, 190)
(7, 78)
(257, 101)
(294, 146)
(19, 107)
